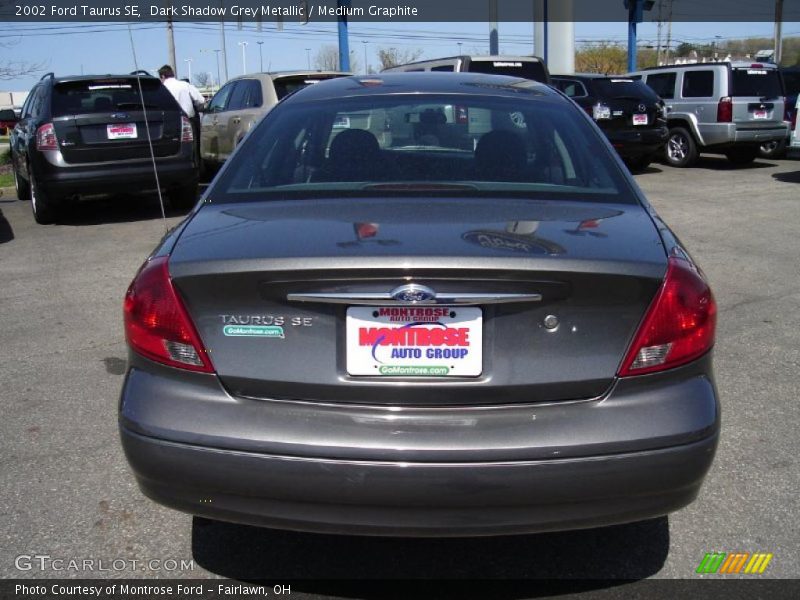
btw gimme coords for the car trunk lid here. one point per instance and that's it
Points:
(277, 291)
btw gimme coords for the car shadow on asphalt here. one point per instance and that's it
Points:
(351, 566)
(650, 170)
(721, 163)
(6, 232)
(791, 177)
(116, 209)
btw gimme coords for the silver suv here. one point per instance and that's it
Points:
(728, 108)
(240, 103)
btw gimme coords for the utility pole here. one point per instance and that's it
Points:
(244, 57)
(260, 58)
(658, 35)
(308, 57)
(344, 41)
(669, 32)
(366, 64)
(224, 47)
(778, 32)
(189, 62)
(173, 61)
(219, 81)
(494, 36)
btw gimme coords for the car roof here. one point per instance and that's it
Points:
(591, 76)
(735, 64)
(290, 73)
(387, 84)
(76, 78)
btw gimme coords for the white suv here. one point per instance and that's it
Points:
(728, 108)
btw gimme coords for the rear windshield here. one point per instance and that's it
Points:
(615, 87)
(526, 69)
(753, 81)
(423, 145)
(80, 97)
(287, 85)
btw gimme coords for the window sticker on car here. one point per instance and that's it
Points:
(265, 331)
(622, 81)
(506, 64)
(756, 71)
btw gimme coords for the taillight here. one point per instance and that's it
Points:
(156, 323)
(187, 133)
(679, 325)
(725, 110)
(46, 137)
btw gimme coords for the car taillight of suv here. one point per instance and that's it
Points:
(187, 133)
(725, 110)
(46, 137)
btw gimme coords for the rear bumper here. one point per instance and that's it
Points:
(723, 136)
(640, 451)
(115, 177)
(417, 499)
(632, 142)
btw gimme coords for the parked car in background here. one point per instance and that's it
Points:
(728, 108)
(527, 67)
(630, 114)
(92, 134)
(240, 103)
(8, 118)
(791, 83)
(794, 140)
(419, 336)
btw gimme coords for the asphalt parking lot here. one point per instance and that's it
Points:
(67, 492)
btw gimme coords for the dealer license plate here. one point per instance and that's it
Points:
(640, 119)
(414, 341)
(760, 114)
(122, 131)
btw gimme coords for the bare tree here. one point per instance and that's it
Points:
(602, 57)
(327, 59)
(13, 69)
(392, 57)
(203, 79)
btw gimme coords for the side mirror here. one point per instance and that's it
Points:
(8, 115)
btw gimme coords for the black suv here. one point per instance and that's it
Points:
(87, 135)
(630, 114)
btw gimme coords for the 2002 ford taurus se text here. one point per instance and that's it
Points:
(421, 304)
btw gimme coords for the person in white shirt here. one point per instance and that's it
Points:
(189, 98)
(186, 94)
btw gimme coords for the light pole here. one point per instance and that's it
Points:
(366, 64)
(308, 57)
(459, 47)
(260, 57)
(244, 57)
(189, 62)
(219, 79)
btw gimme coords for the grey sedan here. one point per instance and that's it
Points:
(423, 305)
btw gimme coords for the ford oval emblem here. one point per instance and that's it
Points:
(413, 293)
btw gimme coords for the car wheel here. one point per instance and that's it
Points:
(22, 186)
(773, 149)
(638, 164)
(44, 207)
(183, 197)
(681, 149)
(742, 156)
